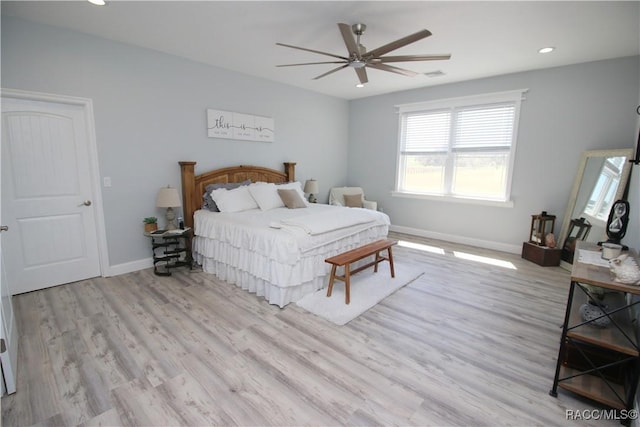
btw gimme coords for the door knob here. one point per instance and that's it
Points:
(4, 228)
(86, 203)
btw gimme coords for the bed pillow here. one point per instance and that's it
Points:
(209, 203)
(236, 200)
(291, 198)
(353, 200)
(266, 196)
(294, 186)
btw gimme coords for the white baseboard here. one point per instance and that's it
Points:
(504, 247)
(129, 267)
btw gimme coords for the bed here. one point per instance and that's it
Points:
(275, 252)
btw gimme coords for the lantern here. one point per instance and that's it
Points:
(578, 230)
(536, 249)
(541, 225)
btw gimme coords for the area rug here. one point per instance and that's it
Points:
(367, 290)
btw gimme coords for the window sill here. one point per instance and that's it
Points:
(453, 199)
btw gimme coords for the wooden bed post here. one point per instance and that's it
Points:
(290, 170)
(187, 174)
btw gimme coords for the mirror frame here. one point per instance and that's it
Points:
(624, 181)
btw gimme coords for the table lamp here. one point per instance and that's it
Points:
(311, 187)
(169, 198)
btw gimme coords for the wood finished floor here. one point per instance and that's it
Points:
(467, 343)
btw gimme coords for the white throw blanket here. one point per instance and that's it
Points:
(324, 222)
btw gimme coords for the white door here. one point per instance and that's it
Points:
(48, 196)
(8, 333)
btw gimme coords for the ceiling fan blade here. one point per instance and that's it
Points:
(331, 71)
(349, 40)
(385, 67)
(408, 58)
(362, 74)
(314, 51)
(398, 43)
(311, 63)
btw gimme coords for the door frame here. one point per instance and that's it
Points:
(92, 146)
(8, 329)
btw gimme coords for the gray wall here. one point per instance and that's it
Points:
(150, 113)
(567, 110)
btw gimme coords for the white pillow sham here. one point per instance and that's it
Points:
(265, 195)
(236, 200)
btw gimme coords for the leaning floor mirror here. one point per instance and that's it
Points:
(601, 180)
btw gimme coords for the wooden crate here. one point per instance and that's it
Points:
(541, 255)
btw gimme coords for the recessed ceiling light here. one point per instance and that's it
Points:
(547, 49)
(97, 2)
(359, 85)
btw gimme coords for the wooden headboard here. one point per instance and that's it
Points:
(193, 186)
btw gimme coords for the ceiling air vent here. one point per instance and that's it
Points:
(434, 73)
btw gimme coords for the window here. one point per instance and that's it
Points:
(461, 147)
(604, 191)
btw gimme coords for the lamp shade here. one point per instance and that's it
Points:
(168, 198)
(311, 186)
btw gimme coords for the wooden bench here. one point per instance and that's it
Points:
(345, 260)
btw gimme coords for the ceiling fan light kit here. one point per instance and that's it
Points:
(359, 59)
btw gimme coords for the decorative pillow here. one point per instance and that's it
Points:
(266, 196)
(209, 203)
(353, 200)
(291, 198)
(294, 186)
(236, 200)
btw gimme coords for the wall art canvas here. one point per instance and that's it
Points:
(239, 126)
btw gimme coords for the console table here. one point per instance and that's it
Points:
(601, 363)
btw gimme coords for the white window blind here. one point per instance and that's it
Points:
(484, 127)
(427, 132)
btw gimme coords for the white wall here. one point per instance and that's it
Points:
(567, 110)
(150, 113)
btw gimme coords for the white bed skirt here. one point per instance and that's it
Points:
(279, 283)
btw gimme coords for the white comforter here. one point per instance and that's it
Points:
(280, 253)
(284, 234)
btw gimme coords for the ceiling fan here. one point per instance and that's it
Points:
(358, 58)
